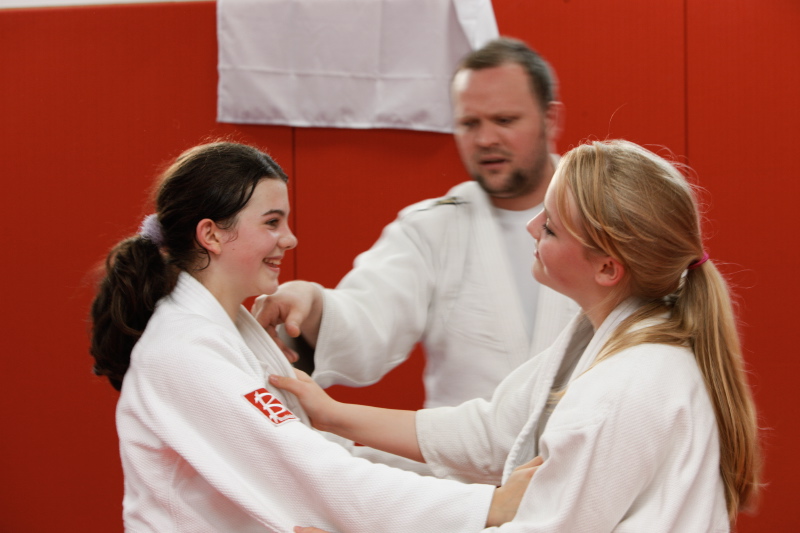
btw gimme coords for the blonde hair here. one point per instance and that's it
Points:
(639, 209)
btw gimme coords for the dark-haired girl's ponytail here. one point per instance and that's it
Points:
(136, 277)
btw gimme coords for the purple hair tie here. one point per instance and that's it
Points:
(151, 230)
(695, 264)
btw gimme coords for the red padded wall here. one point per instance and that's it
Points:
(94, 99)
(620, 64)
(743, 94)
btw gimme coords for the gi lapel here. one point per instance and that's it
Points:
(546, 366)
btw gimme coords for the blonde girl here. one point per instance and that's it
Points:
(640, 410)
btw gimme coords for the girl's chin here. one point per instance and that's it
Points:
(540, 277)
(265, 288)
(536, 271)
(268, 290)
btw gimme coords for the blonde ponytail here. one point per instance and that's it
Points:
(704, 309)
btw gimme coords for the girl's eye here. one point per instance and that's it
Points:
(547, 230)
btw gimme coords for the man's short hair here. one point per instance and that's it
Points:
(507, 50)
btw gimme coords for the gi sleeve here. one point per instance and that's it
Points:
(471, 442)
(379, 311)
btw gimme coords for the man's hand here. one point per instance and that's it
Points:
(298, 306)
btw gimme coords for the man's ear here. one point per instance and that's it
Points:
(209, 236)
(609, 272)
(554, 120)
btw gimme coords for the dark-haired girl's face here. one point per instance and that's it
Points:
(252, 255)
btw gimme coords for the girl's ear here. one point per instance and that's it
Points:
(609, 271)
(209, 236)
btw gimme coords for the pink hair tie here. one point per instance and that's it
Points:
(695, 264)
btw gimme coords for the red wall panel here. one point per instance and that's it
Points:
(93, 101)
(350, 183)
(743, 88)
(620, 64)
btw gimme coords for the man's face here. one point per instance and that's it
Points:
(502, 134)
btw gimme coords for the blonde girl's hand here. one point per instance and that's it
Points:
(390, 430)
(319, 407)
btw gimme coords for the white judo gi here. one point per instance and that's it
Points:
(632, 445)
(438, 274)
(207, 446)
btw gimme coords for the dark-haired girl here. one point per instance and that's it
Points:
(206, 444)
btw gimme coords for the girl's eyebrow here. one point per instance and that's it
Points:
(274, 212)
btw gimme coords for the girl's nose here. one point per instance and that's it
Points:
(534, 225)
(288, 241)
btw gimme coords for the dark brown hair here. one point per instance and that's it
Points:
(212, 181)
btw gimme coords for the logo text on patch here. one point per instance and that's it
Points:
(270, 406)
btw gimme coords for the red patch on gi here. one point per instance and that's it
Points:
(270, 406)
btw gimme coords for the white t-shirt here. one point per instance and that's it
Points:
(520, 247)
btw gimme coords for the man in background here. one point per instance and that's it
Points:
(453, 273)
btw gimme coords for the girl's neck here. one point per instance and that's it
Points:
(598, 311)
(229, 302)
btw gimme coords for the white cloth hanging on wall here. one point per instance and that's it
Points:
(345, 63)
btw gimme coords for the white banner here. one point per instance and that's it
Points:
(51, 3)
(345, 63)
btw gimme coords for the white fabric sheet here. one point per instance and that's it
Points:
(345, 63)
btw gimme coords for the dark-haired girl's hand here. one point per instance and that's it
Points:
(507, 498)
